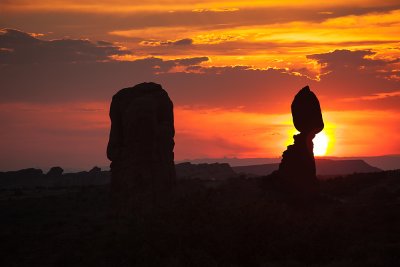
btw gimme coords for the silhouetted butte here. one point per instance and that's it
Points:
(141, 142)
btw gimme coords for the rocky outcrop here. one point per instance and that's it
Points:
(95, 170)
(297, 168)
(55, 172)
(31, 178)
(141, 141)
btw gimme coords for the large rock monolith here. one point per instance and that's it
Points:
(141, 142)
(297, 168)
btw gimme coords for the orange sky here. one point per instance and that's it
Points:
(231, 68)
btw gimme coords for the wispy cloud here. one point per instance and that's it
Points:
(180, 42)
(227, 9)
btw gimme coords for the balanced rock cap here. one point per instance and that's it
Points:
(306, 112)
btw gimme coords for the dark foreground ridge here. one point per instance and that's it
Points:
(237, 223)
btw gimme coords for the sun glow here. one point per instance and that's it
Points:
(320, 141)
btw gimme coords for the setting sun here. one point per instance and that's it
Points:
(320, 144)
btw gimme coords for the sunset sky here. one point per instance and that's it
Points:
(231, 68)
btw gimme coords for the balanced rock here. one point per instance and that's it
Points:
(306, 112)
(141, 140)
(297, 169)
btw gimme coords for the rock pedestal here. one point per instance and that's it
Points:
(141, 142)
(297, 168)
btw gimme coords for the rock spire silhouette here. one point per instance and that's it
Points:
(297, 168)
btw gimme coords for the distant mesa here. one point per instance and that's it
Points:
(141, 141)
(297, 168)
(204, 171)
(326, 168)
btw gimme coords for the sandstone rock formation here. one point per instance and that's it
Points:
(297, 168)
(141, 141)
